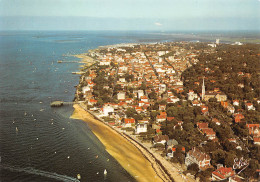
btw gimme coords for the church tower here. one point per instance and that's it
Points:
(203, 90)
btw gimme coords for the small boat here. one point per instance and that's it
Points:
(16, 129)
(105, 172)
(78, 176)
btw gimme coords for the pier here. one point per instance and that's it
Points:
(78, 73)
(61, 103)
(68, 61)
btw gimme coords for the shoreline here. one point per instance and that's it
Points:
(134, 161)
(157, 165)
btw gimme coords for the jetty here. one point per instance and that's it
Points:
(61, 103)
(68, 61)
(78, 73)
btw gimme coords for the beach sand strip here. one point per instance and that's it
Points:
(135, 160)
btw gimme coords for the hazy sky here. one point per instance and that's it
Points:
(130, 14)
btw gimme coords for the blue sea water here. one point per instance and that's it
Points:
(37, 142)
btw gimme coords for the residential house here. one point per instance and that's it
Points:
(129, 122)
(238, 117)
(107, 109)
(224, 104)
(179, 125)
(141, 128)
(204, 109)
(161, 118)
(231, 109)
(160, 139)
(198, 157)
(121, 96)
(254, 129)
(144, 99)
(92, 102)
(140, 93)
(235, 178)
(196, 103)
(202, 125)
(222, 173)
(85, 89)
(216, 121)
(192, 95)
(122, 80)
(169, 118)
(173, 150)
(162, 107)
(257, 140)
(209, 132)
(250, 106)
(236, 102)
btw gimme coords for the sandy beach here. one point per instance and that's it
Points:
(84, 57)
(129, 157)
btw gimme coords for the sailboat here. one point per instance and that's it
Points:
(105, 172)
(78, 176)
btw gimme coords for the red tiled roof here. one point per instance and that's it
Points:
(256, 139)
(170, 118)
(92, 100)
(208, 131)
(223, 172)
(161, 117)
(129, 120)
(202, 125)
(200, 156)
(253, 125)
(163, 113)
(159, 138)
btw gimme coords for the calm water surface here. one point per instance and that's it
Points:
(37, 142)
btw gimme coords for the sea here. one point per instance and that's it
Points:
(41, 143)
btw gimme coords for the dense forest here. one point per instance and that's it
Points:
(235, 70)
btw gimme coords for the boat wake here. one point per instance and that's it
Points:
(30, 170)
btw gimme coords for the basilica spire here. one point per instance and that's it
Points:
(203, 90)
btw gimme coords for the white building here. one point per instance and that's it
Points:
(217, 41)
(123, 68)
(140, 128)
(140, 93)
(192, 95)
(162, 87)
(122, 80)
(107, 109)
(102, 63)
(85, 89)
(121, 96)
